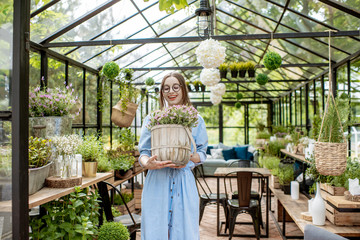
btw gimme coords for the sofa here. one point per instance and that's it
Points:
(221, 155)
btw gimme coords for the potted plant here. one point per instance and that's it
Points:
(126, 138)
(39, 162)
(149, 82)
(272, 60)
(121, 163)
(91, 150)
(241, 66)
(286, 175)
(262, 79)
(129, 200)
(223, 68)
(197, 85)
(274, 147)
(188, 85)
(54, 109)
(250, 67)
(113, 231)
(233, 67)
(202, 87)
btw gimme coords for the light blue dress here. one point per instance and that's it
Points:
(170, 200)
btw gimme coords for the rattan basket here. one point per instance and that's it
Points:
(330, 158)
(172, 142)
(123, 118)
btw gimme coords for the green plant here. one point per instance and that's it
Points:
(127, 74)
(149, 81)
(126, 138)
(274, 147)
(260, 126)
(120, 161)
(238, 105)
(113, 231)
(233, 66)
(5, 161)
(272, 60)
(187, 82)
(286, 174)
(275, 171)
(39, 152)
(262, 79)
(197, 83)
(331, 131)
(250, 65)
(263, 135)
(90, 149)
(279, 129)
(111, 70)
(241, 66)
(316, 123)
(127, 198)
(239, 96)
(224, 67)
(74, 216)
(270, 162)
(104, 164)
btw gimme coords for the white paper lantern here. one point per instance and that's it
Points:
(218, 89)
(210, 76)
(215, 99)
(210, 54)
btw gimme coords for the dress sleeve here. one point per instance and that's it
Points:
(201, 139)
(145, 140)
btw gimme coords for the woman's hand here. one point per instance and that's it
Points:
(152, 163)
(195, 158)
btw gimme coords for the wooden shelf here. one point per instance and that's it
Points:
(295, 156)
(118, 182)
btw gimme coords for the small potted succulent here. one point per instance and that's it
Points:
(91, 150)
(250, 67)
(272, 60)
(233, 67)
(197, 85)
(223, 68)
(242, 69)
(262, 79)
(113, 231)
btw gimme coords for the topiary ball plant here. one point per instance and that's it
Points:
(239, 96)
(113, 231)
(111, 70)
(262, 79)
(238, 105)
(272, 60)
(149, 81)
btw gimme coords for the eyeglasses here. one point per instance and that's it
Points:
(176, 87)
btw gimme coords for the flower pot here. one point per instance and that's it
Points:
(123, 118)
(223, 74)
(172, 142)
(251, 73)
(121, 174)
(54, 126)
(286, 189)
(203, 87)
(197, 88)
(234, 74)
(37, 177)
(189, 88)
(242, 73)
(89, 169)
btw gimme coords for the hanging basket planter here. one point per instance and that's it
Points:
(121, 117)
(272, 60)
(262, 79)
(330, 158)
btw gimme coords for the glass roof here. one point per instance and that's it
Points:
(92, 20)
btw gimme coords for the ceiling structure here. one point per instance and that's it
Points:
(136, 35)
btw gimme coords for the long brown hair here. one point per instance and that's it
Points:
(181, 79)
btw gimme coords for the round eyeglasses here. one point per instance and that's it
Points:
(176, 87)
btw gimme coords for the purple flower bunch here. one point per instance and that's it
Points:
(53, 102)
(186, 116)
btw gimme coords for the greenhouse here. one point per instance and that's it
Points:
(252, 107)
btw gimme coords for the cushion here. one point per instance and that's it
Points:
(208, 156)
(217, 153)
(241, 152)
(250, 156)
(208, 149)
(229, 154)
(221, 145)
(315, 233)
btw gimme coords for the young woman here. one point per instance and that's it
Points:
(170, 201)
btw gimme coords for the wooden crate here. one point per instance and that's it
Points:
(328, 190)
(274, 182)
(137, 196)
(122, 208)
(337, 217)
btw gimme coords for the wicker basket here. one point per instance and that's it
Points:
(123, 118)
(330, 158)
(172, 142)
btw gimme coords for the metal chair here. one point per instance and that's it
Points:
(131, 221)
(208, 197)
(244, 203)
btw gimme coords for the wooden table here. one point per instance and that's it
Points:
(300, 158)
(221, 172)
(294, 209)
(48, 194)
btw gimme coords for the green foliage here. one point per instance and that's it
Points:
(260, 126)
(250, 65)
(233, 66)
(272, 60)
(39, 152)
(275, 171)
(197, 83)
(74, 216)
(274, 147)
(149, 81)
(238, 105)
(331, 131)
(111, 70)
(279, 129)
(113, 231)
(262, 79)
(103, 164)
(5, 161)
(263, 135)
(126, 138)
(270, 162)
(120, 161)
(127, 74)
(90, 149)
(316, 124)
(127, 197)
(286, 174)
(239, 96)
(224, 67)
(241, 66)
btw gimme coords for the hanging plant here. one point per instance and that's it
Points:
(149, 81)
(210, 77)
(111, 70)
(239, 96)
(262, 79)
(170, 5)
(272, 60)
(210, 54)
(128, 74)
(238, 105)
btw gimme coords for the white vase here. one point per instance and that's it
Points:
(318, 208)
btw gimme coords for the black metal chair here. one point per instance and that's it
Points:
(244, 203)
(131, 221)
(208, 197)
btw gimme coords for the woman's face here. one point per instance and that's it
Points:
(172, 91)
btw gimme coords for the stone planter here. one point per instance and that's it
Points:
(54, 126)
(37, 178)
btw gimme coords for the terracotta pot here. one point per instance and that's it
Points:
(89, 169)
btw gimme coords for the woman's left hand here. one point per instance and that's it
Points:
(195, 158)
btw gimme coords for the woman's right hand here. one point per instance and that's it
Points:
(152, 163)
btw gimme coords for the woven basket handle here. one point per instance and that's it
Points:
(191, 138)
(330, 95)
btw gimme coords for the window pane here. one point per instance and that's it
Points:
(34, 69)
(91, 99)
(76, 79)
(211, 118)
(355, 90)
(56, 73)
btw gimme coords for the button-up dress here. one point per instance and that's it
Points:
(170, 200)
